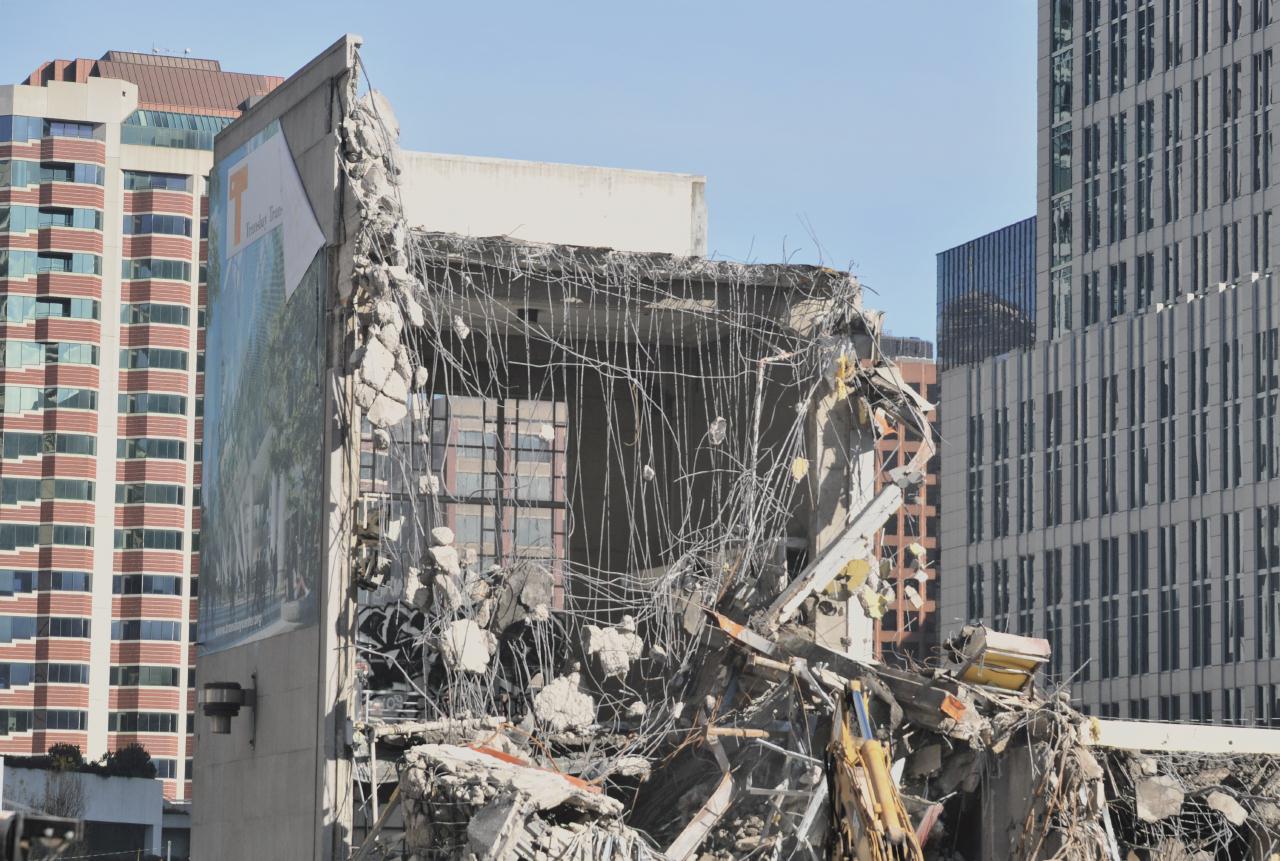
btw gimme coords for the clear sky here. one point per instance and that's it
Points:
(869, 134)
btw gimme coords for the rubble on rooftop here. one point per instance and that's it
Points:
(682, 676)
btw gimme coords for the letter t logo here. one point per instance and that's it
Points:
(239, 184)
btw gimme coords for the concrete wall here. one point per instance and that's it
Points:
(129, 800)
(268, 797)
(631, 210)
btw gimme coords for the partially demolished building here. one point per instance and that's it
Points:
(524, 550)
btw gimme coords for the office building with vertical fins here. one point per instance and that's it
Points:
(103, 167)
(1115, 488)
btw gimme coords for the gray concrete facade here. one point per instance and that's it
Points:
(1115, 488)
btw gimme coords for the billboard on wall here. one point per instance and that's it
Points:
(261, 525)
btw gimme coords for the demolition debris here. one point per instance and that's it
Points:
(617, 580)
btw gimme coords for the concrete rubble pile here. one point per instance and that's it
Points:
(693, 709)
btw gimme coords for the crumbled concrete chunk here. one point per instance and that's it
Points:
(717, 430)
(447, 593)
(615, 648)
(1158, 798)
(441, 536)
(446, 560)
(1227, 806)
(633, 766)
(466, 646)
(561, 706)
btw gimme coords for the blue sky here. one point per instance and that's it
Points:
(886, 130)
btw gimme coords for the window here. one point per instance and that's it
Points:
(1230, 146)
(1261, 120)
(1173, 155)
(152, 402)
(14, 491)
(142, 722)
(1091, 142)
(27, 354)
(59, 719)
(17, 173)
(146, 629)
(17, 582)
(136, 676)
(23, 309)
(135, 448)
(146, 584)
(137, 180)
(166, 769)
(62, 626)
(1145, 166)
(1200, 144)
(1117, 288)
(151, 312)
(155, 267)
(1145, 40)
(1172, 33)
(1117, 228)
(172, 225)
(85, 219)
(533, 530)
(1119, 66)
(90, 174)
(1232, 15)
(19, 399)
(170, 129)
(975, 602)
(19, 219)
(17, 628)
(63, 674)
(14, 675)
(137, 538)
(1061, 105)
(65, 581)
(65, 129)
(152, 494)
(1170, 599)
(153, 357)
(15, 128)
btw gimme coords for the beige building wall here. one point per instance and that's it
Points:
(631, 210)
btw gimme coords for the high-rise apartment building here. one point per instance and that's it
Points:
(1116, 488)
(909, 626)
(103, 167)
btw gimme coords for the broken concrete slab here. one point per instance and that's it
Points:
(1158, 797)
(1230, 809)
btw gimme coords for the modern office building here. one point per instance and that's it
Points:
(1115, 487)
(103, 167)
(987, 295)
